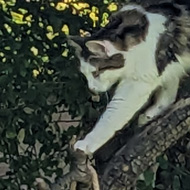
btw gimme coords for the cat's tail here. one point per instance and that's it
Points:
(182, 38)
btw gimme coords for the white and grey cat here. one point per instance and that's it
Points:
(145, 51)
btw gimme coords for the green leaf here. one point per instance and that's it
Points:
(24, 107)
(23, 72)
(5, 112)
(186, 182)
(165, 174)
(149, 177)
(11, 134)
(160, 186)
(28, 110)
(162, 162)
(21, 135)
(176, 183)
(141, 185)
(4, 79)
(31, 94)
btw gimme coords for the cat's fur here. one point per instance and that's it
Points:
(142, 50)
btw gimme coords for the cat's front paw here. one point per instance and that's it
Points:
(143, 119)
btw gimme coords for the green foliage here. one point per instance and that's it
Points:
(173, 170)
(37, 67)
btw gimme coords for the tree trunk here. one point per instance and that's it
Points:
(122, 171)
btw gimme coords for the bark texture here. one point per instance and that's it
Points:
(142, 150)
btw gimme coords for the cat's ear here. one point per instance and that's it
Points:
(102, 48)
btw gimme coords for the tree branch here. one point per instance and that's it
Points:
(141, 151)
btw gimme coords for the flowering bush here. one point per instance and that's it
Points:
(39, 79)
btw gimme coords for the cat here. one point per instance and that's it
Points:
(146, 50)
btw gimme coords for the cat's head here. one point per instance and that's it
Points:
(104, 54)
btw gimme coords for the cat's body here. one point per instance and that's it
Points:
(143, 51)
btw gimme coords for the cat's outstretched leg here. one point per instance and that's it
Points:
(130, 97)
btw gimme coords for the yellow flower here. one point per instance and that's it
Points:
(51, 35)
(17, 18)
(112, 7)
(4, 59)
(104, 19)
(84, 5)
(61, 6)
(49, 28)
(45, 58)
(74, 12)
(41, 24)
(7, 48)
(52, 4)
(8, 28)
(95, 9)
(23, 11)
(4, 5)
(2, 2)
(80, 6)
(34, 50)
(94, 18)
(84, 12)
(84, 33)
(42, 8)
(11, 2)
(35, 73)
(65, 53)
(2, 54)
(65, 29)
(50, 72)
(69, 1)
(29, 18)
